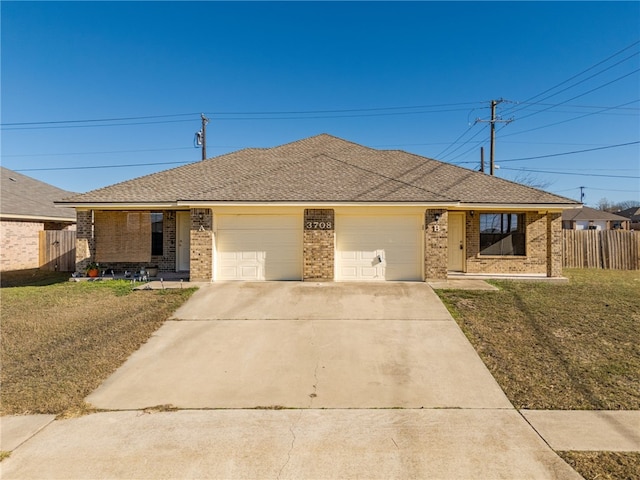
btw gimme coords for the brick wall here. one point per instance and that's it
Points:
(85, 246)
(554, 245)
(165, 262)
(201, 245)
(19, 245)
(535, 260)
(435, 245)
(318, 244)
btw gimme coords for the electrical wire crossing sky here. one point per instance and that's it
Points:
(95, 93)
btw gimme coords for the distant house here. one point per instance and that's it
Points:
(633, 214)
(321, 208)
(26, 209)
(586, 218)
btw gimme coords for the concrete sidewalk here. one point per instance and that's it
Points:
(587, 430)
(290, 444)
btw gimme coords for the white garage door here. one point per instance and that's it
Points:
(259, 247)
(379, 248)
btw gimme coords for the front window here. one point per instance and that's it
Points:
(156, 233)
(502, 234)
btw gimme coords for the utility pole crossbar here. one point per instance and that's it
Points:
(493, 122)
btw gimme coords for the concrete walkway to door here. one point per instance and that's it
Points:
(298, 381)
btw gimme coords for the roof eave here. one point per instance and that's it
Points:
(37, 218)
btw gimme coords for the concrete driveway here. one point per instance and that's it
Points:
(352, 381)
(301, 345)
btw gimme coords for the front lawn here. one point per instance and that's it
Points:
(61, 340)
(571, 346)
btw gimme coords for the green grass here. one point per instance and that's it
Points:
(61, 340)
(557, 346)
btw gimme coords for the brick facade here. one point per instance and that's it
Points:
(201, 245)
(85, 245)
(543, 245)
(318, 244)
(19, 244)
(554, 245)
(539, 247)
(435, 246)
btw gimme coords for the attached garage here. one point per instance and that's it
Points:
(378, 248)
(259, 247)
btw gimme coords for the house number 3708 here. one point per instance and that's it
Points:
(318, 225)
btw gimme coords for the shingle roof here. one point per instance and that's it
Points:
(632, 214)
(586, 213)
(23, 196)
(322, 168)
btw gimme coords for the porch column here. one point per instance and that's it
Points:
(201, 245)
(435, 244)
(85, 245)
(554, 244)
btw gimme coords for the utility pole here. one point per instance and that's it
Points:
(482, 159)
(582, 194)
(493, 122)
(205, 120)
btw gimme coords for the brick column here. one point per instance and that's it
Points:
(201, 246)
(554, 244)
(85, 245)
(318, 244)
(435, 246)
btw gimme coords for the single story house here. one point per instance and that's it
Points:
(27, 208)
(586, 218)
(633, 215)
(321, 208)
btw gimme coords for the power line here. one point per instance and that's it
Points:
(570, 153)
(581, 81)
(582, 94)
(569, 173)
(65, 154)
(99, 166)
(222, 113)
(565, 121)
(578, 74)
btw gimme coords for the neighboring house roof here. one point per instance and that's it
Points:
(24, 197)
(588, 214)
(322, 169)
(632, 214)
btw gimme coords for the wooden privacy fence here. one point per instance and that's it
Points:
(609, 249)
(58, 250)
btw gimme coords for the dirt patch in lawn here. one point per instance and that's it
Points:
(550, 346)
(61, 340)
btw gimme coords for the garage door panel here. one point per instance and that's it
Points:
(259, 247)
(379, 248)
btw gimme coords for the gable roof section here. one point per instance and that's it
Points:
(587, 213)
(632, 214)
(322, 169)
(23, 197)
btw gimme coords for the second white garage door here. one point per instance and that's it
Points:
(385, 247)
(259, 247)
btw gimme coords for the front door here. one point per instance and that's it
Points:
(456, 242)
(183, 253)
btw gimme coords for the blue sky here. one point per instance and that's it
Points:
(413, 76)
